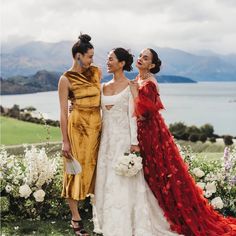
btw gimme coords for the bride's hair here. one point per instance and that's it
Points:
(82, 45)
(156, 61)
(124, 55)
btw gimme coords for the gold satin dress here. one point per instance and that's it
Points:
(84, 127)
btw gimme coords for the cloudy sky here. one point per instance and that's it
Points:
(191, 25)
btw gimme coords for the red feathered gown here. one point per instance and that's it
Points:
(182, 201)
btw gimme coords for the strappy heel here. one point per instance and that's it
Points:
(79, 230)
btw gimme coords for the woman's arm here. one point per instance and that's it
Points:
(100, 73)
(133, 126)
(63, 90)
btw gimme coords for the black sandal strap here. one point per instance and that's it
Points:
(80, 228)
(76, 221)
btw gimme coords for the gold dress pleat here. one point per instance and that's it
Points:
(84, 126)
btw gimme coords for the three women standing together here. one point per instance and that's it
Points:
(163, 199)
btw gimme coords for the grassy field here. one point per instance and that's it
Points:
(19, 132)
(42, 228)
(207, 147)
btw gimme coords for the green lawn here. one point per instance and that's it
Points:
(207, 147)
(19, 132)
(211, 156)
(42, 228)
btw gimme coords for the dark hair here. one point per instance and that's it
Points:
(124, 55)
(156, 61)
(82, 45)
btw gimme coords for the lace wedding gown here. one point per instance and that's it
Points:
(125, 206)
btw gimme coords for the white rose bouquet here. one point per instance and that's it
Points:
(129, 164)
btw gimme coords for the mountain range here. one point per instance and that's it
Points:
(27, 59)
(48, 81)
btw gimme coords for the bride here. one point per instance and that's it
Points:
(124, 205)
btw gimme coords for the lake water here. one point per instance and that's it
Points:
(194, 104)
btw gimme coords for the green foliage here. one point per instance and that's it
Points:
(193, 130)
(207, 129)
(212, 139)
(203, 138)
(228, 140)
(193, 133)
(178, 130)
(216, 177)
(29, 108)
(194, 137)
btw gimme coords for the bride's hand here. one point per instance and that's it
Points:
(134, 148)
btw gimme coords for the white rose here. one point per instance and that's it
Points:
(39, 195)
(207, 194)
(211, 187)
(201, 185)
(25, 191)
(132, 155)
(8, 188)
(217, 203)
(198, 172)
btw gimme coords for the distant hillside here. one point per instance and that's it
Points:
(160, 78)
(48, 81)
(40, 82)
(31, 57)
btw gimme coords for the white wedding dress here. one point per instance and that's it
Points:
(125, 206)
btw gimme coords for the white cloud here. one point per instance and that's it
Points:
(186, 24)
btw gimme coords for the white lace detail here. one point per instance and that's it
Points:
(124, 206)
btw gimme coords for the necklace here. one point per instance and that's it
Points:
(145, 76)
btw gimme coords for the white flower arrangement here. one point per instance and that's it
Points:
(39, 195)
(40, 169)
(25, 191)
(211, 187)
(25, 180)
(35, 179)
(198, 172)
(217, 179)
(217, 203)
(129, 165)
(201, 185)
(8, 188)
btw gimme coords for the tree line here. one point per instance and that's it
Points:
(193, 133)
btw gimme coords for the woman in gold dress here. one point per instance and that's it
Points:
(81, 129)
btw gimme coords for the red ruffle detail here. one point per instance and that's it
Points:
(182, 201)
(148, 102)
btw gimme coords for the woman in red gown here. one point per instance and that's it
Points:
(182, 201)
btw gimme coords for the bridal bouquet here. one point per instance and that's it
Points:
(129, 164)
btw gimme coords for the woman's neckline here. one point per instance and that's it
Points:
(114, 94)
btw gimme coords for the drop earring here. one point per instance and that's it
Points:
(80, 63)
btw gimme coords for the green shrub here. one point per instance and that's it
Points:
(203, 138)
(212, 139)
(228, 140)
(194, 137)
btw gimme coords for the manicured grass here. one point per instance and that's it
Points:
(207, 147)
(211, 156)
(19, 132)
(42, 228)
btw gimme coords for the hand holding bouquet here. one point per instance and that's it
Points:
(129, 164)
